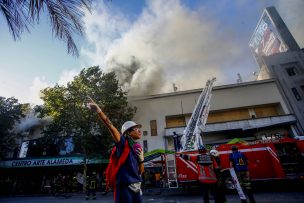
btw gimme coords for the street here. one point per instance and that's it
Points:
(261, 197)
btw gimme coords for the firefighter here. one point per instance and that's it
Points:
(218, 172)
(58, 186)
(206, 174)
(104, 184)
(240, 164)
(91, 186)
(74, 184)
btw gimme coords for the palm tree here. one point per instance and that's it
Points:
(65, 17)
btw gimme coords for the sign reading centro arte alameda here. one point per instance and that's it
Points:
(266, 40)
(62, 161)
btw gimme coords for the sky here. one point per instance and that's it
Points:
(149, 44)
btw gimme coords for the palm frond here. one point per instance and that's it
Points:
(65, 17)
(15, 17)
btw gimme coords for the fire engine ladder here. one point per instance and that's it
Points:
(191, 139)
(171, 171)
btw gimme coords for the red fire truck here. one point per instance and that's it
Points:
(275, 158)
(281, 158)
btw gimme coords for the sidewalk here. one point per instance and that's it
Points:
(261, 197)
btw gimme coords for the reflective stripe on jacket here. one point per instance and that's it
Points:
(206, 174)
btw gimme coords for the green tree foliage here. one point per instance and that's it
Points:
(66, 105)
(10, 113)
(64, 15)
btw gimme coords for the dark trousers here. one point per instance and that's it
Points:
(221, 197)
(248, 192)
(210, 188)
(221, 190)
(91, 191)
(126, 195)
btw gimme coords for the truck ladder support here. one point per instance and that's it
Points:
(171, 171)
(191, 138)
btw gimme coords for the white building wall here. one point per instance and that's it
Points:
(246, 94)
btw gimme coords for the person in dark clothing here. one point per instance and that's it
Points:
(218, 171)
(127, 186)
(91, 186)
(240, 164)
(206, 173)
(74, 184)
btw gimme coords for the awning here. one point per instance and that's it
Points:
(49, 161)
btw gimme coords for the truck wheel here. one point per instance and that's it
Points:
(227, 180)
(229, 183)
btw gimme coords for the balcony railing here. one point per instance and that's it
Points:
(240, 124)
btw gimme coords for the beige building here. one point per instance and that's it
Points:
(247, 110)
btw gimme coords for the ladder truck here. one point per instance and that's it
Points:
(275, 159)
(180, 170)
(191, 141)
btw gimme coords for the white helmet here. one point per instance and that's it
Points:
(127, 125)
(214, 152)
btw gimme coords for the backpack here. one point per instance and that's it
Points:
(114, 165)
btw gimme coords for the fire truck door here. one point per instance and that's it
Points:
(261, 160)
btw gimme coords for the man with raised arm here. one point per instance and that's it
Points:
(126, 161)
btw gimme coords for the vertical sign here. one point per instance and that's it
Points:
(266, 39)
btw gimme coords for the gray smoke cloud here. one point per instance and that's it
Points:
(171, 43)
(29, 121)
(137, 77)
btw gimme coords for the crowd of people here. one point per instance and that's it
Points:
(61, 184)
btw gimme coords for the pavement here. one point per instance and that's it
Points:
(263, 193)
(154, 196)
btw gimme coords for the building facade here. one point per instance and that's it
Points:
(249, 110)
(280, 57)
(273, 104)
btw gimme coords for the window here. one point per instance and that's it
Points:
(252, 113)
(291, 71)
(296, 94)
(175, 121)
(266, 110)
(145, 143)
(153, 126)
(145, 133)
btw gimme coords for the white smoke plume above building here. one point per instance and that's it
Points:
(169, 43)
(31, 121)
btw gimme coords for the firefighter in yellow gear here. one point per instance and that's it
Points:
(74, 184)
(91, 186)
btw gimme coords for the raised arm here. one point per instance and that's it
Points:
(113, 130)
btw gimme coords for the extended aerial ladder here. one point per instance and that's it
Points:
(191, 138)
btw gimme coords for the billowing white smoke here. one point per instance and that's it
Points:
(30, 121)
(138, 77)
(169, 43)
